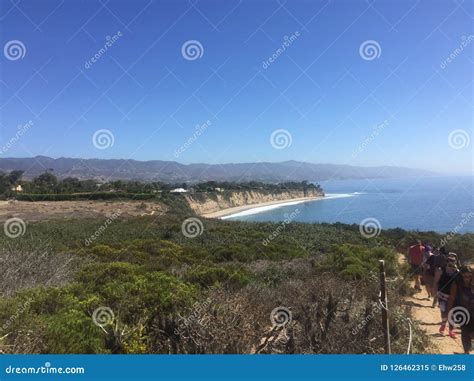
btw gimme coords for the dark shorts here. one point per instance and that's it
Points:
(417, 269)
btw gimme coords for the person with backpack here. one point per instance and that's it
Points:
(442, 258)
(415, 259)
(439, 261)
(445, 279)
(428, 270)
(462, 294)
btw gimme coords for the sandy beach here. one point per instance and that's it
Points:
(264, 205)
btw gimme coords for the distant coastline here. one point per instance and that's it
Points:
(392, 202)
(246, 210)
(257, 208)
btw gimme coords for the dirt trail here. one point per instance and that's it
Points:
(429, 319)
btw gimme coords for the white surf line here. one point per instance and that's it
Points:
(261, 209)
(330, 196)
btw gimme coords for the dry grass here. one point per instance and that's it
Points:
(53, 210)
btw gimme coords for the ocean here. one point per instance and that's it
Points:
(440, 204)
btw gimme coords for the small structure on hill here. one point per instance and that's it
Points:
(178, 190)
(17, 188)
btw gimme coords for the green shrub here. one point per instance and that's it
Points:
(208, 276)
(83, 196)
(72, 331)
(358, 262)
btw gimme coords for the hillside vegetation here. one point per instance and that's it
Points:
(163, 292)
(47, 187)
(174, 283)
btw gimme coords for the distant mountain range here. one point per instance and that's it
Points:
(171, 171)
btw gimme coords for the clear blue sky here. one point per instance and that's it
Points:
(320, 88)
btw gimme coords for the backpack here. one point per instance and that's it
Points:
(466, 299)
(440, 261)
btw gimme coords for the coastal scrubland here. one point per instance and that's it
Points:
(151, 284)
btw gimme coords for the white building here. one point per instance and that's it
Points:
(178, 190)
(17, 188)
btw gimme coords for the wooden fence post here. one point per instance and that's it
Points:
(383, 301)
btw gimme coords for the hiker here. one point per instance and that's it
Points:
(415, 259)
(440, 259)
(455, 256)
(429, 270)
(444, 281)
(462, 293)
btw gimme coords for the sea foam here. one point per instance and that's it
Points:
(260, 209)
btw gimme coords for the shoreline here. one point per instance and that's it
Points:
(230, 212)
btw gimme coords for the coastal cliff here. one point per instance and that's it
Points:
(211, 202)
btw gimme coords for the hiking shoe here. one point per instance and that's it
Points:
(452, 334)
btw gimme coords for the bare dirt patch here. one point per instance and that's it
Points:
(53, 210)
